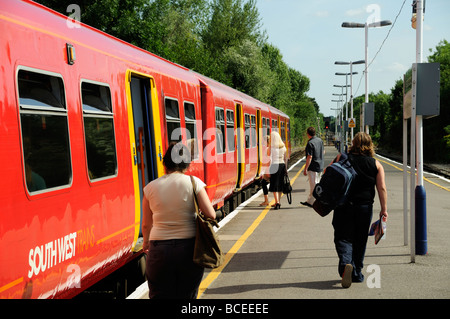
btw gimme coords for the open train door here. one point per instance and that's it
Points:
(145, 140)
(259, 141)
(240, 145)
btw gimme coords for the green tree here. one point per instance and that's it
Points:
(436, 132)
(249, 71)
(120, 18)
(299, 84)
(303, 116)
(381, 101)
(231, 22)
(279, 89)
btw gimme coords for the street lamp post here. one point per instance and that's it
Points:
(343, 115)
(366, 26)
(338, 122)
(351, 83)
(346, 97)
(335, 123)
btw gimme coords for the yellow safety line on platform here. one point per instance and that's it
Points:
(426, 179)
(216, 272)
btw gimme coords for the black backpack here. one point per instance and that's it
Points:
(334, 186)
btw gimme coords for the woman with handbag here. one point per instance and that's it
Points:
(277, 167)
(169, 228)
(265, 179)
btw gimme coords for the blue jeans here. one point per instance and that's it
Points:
(351, 224)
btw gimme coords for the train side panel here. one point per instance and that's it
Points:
(219, 156)
(58, 240)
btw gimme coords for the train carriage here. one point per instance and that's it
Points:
(85, 119)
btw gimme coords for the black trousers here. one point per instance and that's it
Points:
(277, 172)
(171, 273)
(351, 228)
(264, 184)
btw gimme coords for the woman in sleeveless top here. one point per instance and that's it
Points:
(168, 227)
(351, 222)
(278, 164)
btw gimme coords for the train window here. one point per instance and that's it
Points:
(45, 131)
(230, 131)
(98, 130)
(253, 130)
(266, 128)
(220, 131)
(283, 131)
(275, 125)
(288, 129)
(173, 120)
(247, 130)
(189, 115)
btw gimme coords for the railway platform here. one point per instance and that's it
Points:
(289, 253)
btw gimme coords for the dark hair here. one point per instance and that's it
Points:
(311, 131)
(177, 157)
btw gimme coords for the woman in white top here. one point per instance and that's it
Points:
(168, 227)
(277, 167)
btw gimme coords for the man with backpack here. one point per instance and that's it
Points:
(314, 152)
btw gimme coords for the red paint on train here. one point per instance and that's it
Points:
(84, 121)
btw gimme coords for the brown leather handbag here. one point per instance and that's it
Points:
(207, 250)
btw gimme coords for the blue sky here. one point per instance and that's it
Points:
(310, 38)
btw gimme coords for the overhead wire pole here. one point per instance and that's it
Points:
(365, 127)
(346, 99)
(342, 117)
(335, 124)
(405, 168)
(338, 122)
(419, 192)
(351, 83)
(366, 27)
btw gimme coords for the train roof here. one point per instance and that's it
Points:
(235, 95)
(43, 19)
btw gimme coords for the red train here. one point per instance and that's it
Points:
(84, 121)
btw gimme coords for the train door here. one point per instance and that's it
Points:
(259, 141)
(145, 139)
(240, 145)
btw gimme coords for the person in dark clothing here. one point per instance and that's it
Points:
(314, 152)
(351, 222)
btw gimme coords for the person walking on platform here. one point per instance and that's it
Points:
(278, 164)
(351, 222)
(314, 163)
(266, 176)
(169, 228)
